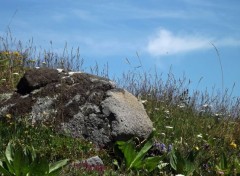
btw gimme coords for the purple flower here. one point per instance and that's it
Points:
(161, 147)
(169, 148)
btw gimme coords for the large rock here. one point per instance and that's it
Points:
(78, 104)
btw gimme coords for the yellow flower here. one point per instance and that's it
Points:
(197, 148)
(9, 116)
(233, 144)
(15, 53)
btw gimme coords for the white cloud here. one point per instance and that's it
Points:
(165, 42)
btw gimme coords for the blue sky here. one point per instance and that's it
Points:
(177, 34)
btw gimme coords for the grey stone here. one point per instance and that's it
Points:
(127, 115)
(94, 161)
(80, 105)
(5, 96)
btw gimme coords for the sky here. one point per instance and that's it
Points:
(194, 38)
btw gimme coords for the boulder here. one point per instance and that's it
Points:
(79, 105)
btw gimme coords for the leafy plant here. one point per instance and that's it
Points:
(136, 159)
(228, 166)
(24, 161)
(183, 165)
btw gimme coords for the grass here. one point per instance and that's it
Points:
(198, 122)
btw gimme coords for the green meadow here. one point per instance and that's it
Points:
(195, 133)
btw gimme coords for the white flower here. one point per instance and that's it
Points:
(217, 115)
(144, 101)
(181, 106)
(15, 73)
(166, 111)
(59, 70)
(205, 105)
(179, 175)
(168, 127)
(163, 134)
(199, 135)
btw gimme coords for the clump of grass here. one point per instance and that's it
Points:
(184, 119)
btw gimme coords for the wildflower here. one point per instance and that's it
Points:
(205, 105)
(218, 115)
(197, 148)
(163, 134)
(16, 54)
(206, 167)
(233, 144)
(181, 106)
(144, 101)
(220, 172)
(59, 70)
(9, 116)
(157, 109)
(170, 148)
(199, 135)
(166, 111)
(206, 146)
(16, 74)
(168, 127)
(179, 175)
(160, 147)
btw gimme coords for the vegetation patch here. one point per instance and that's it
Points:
(195, 133)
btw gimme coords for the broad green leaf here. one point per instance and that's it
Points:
(39, 166)
(137, 161)
(18, 157)
(9, 153)
(189, 162)
(4, 170)
(21, 161)
(151, 163)
(57, 166)
(173, 159)
(32, 152)
(177, 162)
(128, 149)
(181, 162)
(189, 167)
